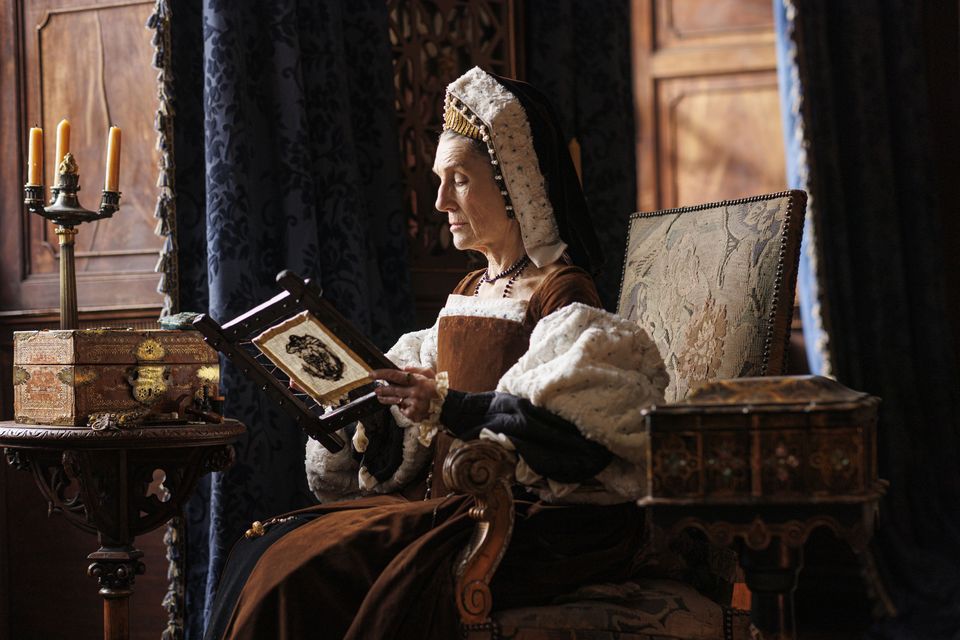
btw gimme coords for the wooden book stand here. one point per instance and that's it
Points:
(233, 340)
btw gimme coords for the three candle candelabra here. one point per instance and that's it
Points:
(67, 214)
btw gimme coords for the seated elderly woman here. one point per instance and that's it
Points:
(521, 354)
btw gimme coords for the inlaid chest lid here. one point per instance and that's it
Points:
(775, 393)
(111, 346)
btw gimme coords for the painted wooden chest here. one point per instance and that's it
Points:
(92, 377)
(791, 438)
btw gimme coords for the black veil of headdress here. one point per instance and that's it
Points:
(563, 187)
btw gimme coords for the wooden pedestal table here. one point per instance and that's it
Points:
(99, 481)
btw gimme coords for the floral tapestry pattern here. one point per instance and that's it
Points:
(706, 283)
(702, 351)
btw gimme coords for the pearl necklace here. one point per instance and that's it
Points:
(515, 269)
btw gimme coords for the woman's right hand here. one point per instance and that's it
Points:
(412, 389)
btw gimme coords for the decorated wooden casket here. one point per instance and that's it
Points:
(791, 438)
(110, 377)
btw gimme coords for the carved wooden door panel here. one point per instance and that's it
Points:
(707, 105)
(89, 62)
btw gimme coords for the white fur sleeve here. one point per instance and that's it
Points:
(598, 371)
(415, 349)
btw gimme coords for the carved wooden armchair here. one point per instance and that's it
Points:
(714, 287)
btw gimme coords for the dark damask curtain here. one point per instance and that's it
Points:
(287, 157)
(578, 53)
(866, 155)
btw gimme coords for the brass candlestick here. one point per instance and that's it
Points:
(65, 211)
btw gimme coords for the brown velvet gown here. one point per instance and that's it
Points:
(381, 567)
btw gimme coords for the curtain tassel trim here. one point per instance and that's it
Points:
(165, 212)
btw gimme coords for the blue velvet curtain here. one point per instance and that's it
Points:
(287, 157)
(859, 141)
(578, 53)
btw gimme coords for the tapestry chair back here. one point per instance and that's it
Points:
(713, 285)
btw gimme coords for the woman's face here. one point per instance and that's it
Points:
(470, 196)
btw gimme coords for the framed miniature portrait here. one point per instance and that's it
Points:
(303, 336)
(314, 358)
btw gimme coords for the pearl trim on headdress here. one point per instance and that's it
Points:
(502, 124)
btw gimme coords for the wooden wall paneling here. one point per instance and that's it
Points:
(705, 91)
(5, 630)
(644, 114)
(90, 62)
(694, 22)
(12, 152)
(52, 595)
(720, 137)
(99, 89)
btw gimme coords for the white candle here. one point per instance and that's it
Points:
(112, 180)
(63, 144)
(35, 158)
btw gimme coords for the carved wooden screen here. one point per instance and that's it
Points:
(433, 43)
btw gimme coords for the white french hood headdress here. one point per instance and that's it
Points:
(478, 106)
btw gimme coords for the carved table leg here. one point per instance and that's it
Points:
(771, 575)
(104, 487)
(116, 568)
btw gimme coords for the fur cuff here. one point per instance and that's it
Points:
(331, 476)
(360, 441)
(415, 349)
(431, 426)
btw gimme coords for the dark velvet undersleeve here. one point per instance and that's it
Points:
(550, 445)
(385, 449)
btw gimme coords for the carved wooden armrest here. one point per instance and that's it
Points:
(483, 470)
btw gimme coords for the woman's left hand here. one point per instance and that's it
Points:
(410, 388)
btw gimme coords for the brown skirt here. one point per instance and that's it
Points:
(382, 567)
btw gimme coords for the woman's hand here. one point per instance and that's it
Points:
(411, 389)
